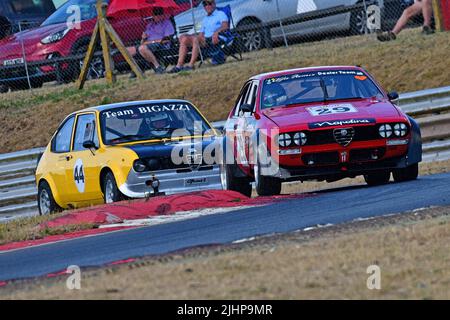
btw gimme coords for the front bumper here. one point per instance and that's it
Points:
(172, 181)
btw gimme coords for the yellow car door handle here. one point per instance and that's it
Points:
(69, 157)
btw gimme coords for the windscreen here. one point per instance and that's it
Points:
(152, 121)
(320, 86)
(65, 12)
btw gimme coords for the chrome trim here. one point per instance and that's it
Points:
(172, 182)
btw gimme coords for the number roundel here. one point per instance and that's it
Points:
(78, 175)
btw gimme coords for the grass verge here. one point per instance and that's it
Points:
(408, 64)
(411, 250)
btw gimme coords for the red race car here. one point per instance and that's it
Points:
(322, 123)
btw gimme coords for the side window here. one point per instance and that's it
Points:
(242, 98)
(62, 140)
(85, 130)
(251, 98)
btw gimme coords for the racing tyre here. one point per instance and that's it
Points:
(111, 193)
(229, 182)
(266, 186)
(406, 174)
(377, 178)
(46, 202)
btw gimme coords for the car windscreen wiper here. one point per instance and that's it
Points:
(127, 137)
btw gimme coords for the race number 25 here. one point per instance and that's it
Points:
(331, 109)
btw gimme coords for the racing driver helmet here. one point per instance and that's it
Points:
(158, 124)
(274, 95)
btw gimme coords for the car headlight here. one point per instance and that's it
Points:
(300, 138)
(284, 140)
(385, 131)
(400, 129)
(55, 37)
(139, 166)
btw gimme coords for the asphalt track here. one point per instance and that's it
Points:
(331, 206)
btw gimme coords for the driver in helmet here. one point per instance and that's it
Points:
(158, 124)
(274, 95)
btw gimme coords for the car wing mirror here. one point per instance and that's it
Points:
(247, 108)
(89, 144)
(393, 95)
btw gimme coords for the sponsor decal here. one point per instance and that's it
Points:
(361, 78)
(12, 62)
(195, 181)
(331, 109)
(335, 123)
(146, 109)
(314, 74)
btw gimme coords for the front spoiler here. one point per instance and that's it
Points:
(172, 181)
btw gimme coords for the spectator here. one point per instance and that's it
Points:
(419, 6)
(155, 37)
(214, 23)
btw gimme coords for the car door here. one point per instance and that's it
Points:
(246, 126)
(61, 158)
(85, 171)
(293, 7)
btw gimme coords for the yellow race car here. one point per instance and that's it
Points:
(128, 150)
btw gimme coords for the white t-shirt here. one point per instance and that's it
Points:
(213, 23)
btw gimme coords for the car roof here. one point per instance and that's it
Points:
(268, 75)
(128, 104)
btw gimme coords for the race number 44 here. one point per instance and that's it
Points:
(331, 109)
(78, 175)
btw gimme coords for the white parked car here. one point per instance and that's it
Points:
(256, 12)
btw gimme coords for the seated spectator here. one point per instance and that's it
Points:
(214, 23)
(155, 37)
(419, 6)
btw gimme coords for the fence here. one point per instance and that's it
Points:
(430, 107)
(54, 52)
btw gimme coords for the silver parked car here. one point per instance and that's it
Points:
(256, 12)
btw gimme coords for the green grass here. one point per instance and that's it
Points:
(413, 62)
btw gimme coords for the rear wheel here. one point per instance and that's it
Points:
(377, 178)
(111, 193)
(4, 89)
(46, 202)
(406, 174)
(230, 182)
(358, 22)
(252, 40)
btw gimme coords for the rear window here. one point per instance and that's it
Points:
(32, 7)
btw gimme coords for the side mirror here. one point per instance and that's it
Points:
(247, 108)
(393, 95)
(89, 144)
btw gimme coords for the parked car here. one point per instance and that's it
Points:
(324, 123)
(54, 39)
(16, 15)
(257, 12)
(127, 150)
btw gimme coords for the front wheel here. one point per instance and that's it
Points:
(265, 185)
(230, 182)
(111, 193)
(46, 202)
(406, 174)
(377, 178)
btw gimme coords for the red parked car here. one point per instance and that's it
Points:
(54, 39)
(324, 123)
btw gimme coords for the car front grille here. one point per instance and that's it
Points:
(362, 133)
